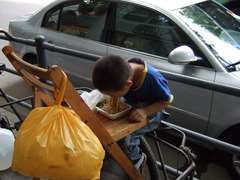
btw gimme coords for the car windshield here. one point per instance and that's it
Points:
(218, 28)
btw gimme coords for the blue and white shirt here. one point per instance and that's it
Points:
(153, 87)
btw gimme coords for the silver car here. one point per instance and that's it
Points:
(151, 30)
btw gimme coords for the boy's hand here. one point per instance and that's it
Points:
(141, 114)
(137, 115)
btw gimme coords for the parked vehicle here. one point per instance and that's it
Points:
(151, 30)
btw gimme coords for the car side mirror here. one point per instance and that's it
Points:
(182, 55)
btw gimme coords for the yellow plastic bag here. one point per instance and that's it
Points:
(54, 143)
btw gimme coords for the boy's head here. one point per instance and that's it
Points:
(111, 74)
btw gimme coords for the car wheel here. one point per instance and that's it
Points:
(30, 58)
(232, 161)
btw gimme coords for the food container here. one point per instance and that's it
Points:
(117, 115)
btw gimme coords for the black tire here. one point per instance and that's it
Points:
(229, 159)
(150, 170)
(31, 58)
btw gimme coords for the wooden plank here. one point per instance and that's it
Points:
(121, 127)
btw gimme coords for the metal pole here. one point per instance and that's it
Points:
(11, 71)
(13, 108)
(175, 172)
(20, 102)
(208, 140)
(235, 91)
(41, 52)
(160, 156)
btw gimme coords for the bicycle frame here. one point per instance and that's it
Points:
(185, 151)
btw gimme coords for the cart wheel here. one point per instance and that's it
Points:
(150, 170)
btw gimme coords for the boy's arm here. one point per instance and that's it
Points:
(140, 114)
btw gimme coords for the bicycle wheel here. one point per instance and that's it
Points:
(150, 170)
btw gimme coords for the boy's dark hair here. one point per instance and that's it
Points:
(110, 73)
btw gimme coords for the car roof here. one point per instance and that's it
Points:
(167, 5)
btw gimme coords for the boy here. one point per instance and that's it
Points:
(143, 87)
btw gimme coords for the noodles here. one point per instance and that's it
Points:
(114, 105)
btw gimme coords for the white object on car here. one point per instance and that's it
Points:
(182, 54)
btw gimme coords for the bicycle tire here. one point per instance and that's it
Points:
(150, 170)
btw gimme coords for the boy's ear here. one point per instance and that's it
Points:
(129, 83)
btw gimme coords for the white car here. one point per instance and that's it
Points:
(151, 29)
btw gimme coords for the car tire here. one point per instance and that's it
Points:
(30, 58)
(231, 160)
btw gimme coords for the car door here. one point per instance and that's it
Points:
(79, 26)
(143, 33)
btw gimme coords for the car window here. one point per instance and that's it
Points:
(217, 28)
(224, 1)
(84, 19)
(147, 31)
(51, 19)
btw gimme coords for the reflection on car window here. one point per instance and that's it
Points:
(84, 19)
(147, 31)
(51, 19)
(217, 28)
